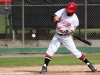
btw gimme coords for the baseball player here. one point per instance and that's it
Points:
(66, 22)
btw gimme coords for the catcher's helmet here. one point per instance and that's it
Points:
(71, 7)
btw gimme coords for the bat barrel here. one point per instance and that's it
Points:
(83, 40)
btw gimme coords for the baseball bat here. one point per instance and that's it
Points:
(83, 40)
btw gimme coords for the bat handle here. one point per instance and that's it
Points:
(66, 31)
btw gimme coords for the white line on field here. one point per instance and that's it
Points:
(16, 73)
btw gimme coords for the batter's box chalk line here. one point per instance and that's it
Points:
(15, 73)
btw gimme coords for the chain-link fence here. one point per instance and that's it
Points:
(22, 18)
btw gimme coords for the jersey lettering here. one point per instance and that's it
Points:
(65, 22)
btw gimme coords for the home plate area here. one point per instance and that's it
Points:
(52, 70)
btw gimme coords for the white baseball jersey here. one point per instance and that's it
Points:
(67, 22)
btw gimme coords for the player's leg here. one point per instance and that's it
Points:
(54, 45)
(88, 63)
(72, 48)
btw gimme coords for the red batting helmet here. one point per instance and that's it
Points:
(71, 7)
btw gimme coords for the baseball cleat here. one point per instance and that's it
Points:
(92, 68)
(44, 70)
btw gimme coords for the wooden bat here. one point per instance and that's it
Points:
(83, 40)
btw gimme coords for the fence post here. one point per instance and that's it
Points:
(85, 19)
(23, 39)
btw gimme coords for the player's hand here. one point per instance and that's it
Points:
(69, 31)
(62, 30)
(59, 27)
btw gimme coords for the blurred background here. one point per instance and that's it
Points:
(19, 19)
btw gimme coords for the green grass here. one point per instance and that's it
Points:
(56, 60)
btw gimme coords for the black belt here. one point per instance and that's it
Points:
(61, 34)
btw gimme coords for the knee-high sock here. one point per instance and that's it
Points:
(47, 60)
(84, 59)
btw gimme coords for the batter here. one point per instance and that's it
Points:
(66, 22)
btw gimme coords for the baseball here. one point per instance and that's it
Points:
(33, 35)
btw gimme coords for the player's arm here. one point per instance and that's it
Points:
(72, 28)
(55, 18)
(57, 22)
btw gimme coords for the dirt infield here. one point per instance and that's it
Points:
(52, 70)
